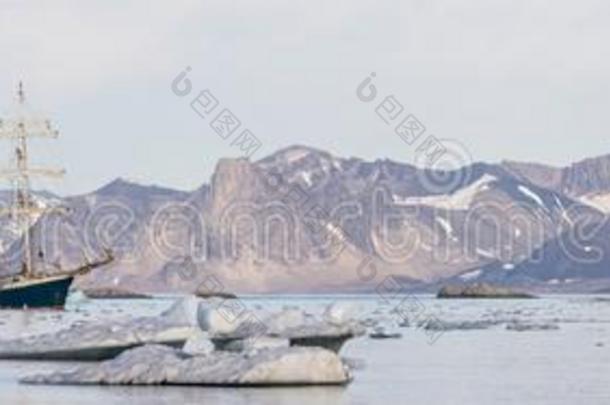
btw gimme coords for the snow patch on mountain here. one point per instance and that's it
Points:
(485, 253)
(471, 274)
(446, 225)
(564, 213)
(306, 176)
(600, 201)
(295, 154)
(458, 200)
(532, 196)
(334, 230)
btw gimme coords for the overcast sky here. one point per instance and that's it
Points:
(521, 80)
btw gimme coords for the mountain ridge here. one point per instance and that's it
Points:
(255, 236)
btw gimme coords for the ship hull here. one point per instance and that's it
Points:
(49, 293)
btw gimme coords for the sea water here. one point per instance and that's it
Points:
(568, 365)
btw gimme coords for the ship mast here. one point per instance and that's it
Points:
(23, 209)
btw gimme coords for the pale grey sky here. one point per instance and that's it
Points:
(517, 79)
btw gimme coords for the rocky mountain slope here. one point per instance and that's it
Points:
(303, 220)
(587, 180)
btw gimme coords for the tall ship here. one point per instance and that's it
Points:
(31, 287)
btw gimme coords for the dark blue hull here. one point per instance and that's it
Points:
(37, 294)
